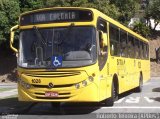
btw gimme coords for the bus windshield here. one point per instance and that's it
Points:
(76, 46)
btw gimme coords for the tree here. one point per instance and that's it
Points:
(141, 28)
(28, 5)
(9, 12)
(127, 9)
(102, 5)
(2, 2)
(153, 12)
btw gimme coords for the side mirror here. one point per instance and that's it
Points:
(12, 37)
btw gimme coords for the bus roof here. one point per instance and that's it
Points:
(55, 8)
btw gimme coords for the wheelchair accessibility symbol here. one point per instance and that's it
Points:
(57, 61)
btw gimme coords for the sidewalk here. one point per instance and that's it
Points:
(156, 77)
(9, 93)
(8, 85)
(7, 90)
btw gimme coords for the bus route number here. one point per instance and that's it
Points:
(120, 62)
(36, 81)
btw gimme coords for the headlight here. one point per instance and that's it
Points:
(24, 84)
(27, 86)
(90, 78)
(84, 83)
(77, 86)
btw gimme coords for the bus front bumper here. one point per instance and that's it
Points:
(89, 93)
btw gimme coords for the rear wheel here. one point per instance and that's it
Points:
(139, 88)
(114, 96)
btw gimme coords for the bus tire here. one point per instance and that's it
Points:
(139, 88)
(114, 96)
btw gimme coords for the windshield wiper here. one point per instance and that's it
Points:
(41, 38)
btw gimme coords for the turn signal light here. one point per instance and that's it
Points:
(91, 78)
(84, 83)
(77, 86)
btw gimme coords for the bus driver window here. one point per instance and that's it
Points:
(103, 43)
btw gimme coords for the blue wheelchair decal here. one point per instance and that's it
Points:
(57, 61)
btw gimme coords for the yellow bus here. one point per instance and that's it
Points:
(74, 54)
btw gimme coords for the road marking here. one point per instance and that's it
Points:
(133, 100)
(119, 101)
(149, 100)
(118, 107)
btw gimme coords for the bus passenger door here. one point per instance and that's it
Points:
(102, 57)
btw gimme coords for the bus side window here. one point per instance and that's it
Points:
(102, 25)
(136, 48)
(141, 49)
(145, 51)
(114, 40)
(131, 53)
(102, 32)
(102, 42)
(123, 41)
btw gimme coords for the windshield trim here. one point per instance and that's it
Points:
(59, 67)
(94, 62)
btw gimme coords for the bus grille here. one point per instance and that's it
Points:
(52, 74)
(55, 86)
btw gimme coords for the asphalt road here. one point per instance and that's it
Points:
(131, 104)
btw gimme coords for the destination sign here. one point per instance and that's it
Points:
(52, 16)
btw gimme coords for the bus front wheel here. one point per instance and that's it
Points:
(114, 96)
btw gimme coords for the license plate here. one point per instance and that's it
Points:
(51, 94)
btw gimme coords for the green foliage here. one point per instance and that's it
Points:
(102, 5)
(127, 9)
(9, 12)
(27, 5)
(141, 28)
(105, 7)
(153, 12)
